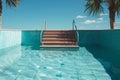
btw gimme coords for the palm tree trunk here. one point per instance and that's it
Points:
(0, 14)
(112, 9)
(112, 19)
(0, 7)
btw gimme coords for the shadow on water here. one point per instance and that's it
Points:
(109, 59)
(35, 47)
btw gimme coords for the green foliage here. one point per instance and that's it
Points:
(94, 7)
(117, 3)
(12, 3)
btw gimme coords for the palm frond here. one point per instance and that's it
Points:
(94, 7)
(117, 4)
(12, 3)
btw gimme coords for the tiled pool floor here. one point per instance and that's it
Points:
(28, 63)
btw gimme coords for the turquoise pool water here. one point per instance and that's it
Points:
(108, 58)
(34, 63)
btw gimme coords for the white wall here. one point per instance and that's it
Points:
(9, 38)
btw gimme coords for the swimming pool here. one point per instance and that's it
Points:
(35, 63)
(97, 58)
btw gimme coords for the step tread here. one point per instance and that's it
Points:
(59, 46)
(58, 42)
(58, 33)
(57, 36)
(58, 39)
(59, 30)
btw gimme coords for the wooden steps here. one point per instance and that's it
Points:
(59, 38)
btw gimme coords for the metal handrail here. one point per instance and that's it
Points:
(75, 28)
(42, 30)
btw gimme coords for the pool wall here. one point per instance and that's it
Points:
(109, 39)
(31, 38)
(88, 37)
(9, 38)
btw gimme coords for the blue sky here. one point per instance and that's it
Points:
(30, 14)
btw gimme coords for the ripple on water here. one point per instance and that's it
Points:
(55, 65)
(59, 75)
(62, 64)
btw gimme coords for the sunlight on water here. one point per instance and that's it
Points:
(30, 63)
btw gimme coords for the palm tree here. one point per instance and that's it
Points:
(10, 3)
(95, 7)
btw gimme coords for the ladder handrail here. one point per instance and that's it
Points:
(75, 28)
(42, 30)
